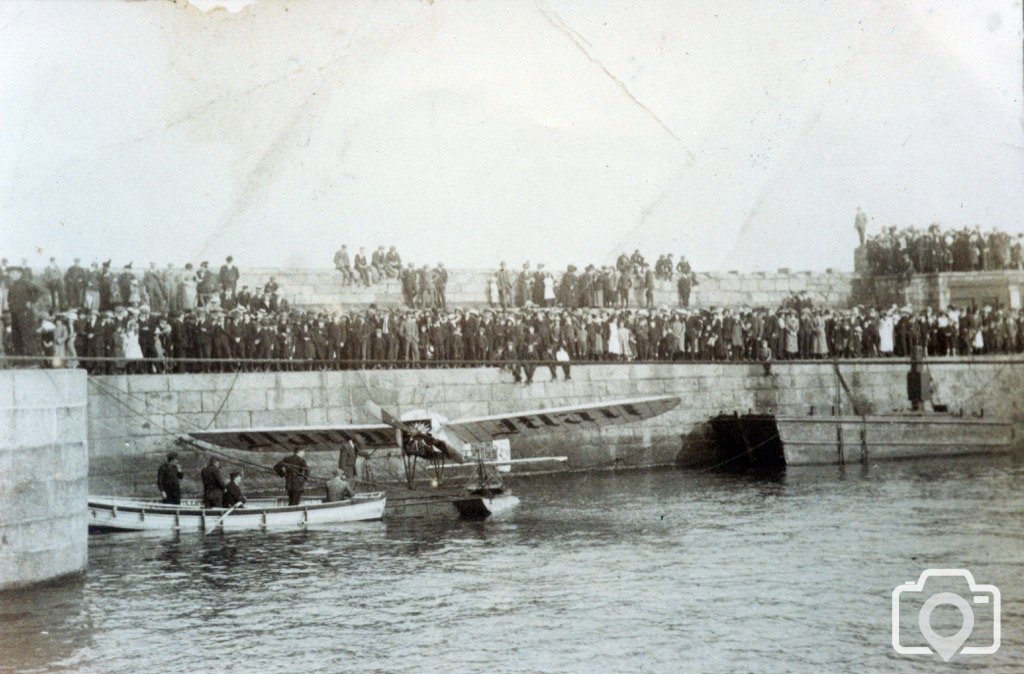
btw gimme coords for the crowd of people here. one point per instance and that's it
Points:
(362, 270)
(911, 250)
(423, 287)
(109, 313)
(241, 340)
(629, 282)
(195, 319)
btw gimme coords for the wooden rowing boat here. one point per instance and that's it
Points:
(108, 513)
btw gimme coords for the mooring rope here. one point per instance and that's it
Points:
(191, 443)
(224, 401)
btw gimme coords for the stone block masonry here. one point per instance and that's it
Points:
(322, 288)
(132, 425)
(43, 476)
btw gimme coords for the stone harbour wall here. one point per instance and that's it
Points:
(1000, 289)
(43, 476)
(322, 288)
(133, 418)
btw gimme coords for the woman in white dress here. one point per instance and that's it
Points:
(614, 345)
(549, 290)
(886, 335)
(625, 341)
(820, 337)
(131, 347)
(187, 291)
(978, 342)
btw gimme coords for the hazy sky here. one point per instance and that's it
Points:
(741, 133)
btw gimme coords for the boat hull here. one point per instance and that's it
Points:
(119, 514)
(482, 507)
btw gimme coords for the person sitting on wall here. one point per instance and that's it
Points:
(337, 488)
(344, 265)
(233, 492)
(168, 479)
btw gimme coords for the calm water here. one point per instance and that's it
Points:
(656, 572)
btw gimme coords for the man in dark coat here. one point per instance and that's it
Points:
(124, 284)
(337, 488)
(87, 342)
(568, 291)
(233, 492)
(538, 285)
(344, 265)
(295, 471)
(21, 295)
(147, 337)
(505, 281)
(229, 276)
(168, 479)
(409, 276)
(649, 286)
(74, 284)
(685, 286)
(362, 267)
(347, 459)
(524, 286)
(213, 484)
(207, 283)
(441, 285)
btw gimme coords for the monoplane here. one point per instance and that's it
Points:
(484, 440)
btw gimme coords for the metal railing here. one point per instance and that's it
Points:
(201, 365)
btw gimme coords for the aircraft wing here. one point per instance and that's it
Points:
(288, 438)
(595, 415)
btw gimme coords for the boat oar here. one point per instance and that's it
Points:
(217, 523)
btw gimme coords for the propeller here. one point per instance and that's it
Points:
(422, 443)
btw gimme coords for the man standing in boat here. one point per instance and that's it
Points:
(213, 484)
(294, 470)
(168, 479)
(347, 459)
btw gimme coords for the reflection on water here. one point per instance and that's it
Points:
(658, 571)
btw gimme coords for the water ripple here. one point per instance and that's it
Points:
(651, 572)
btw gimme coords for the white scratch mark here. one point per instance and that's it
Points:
(583, 45)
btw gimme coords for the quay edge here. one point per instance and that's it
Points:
(133, 419)
(43, 477)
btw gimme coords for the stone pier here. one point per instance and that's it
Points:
(133, 419)
(44, 465)
(322, 288)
